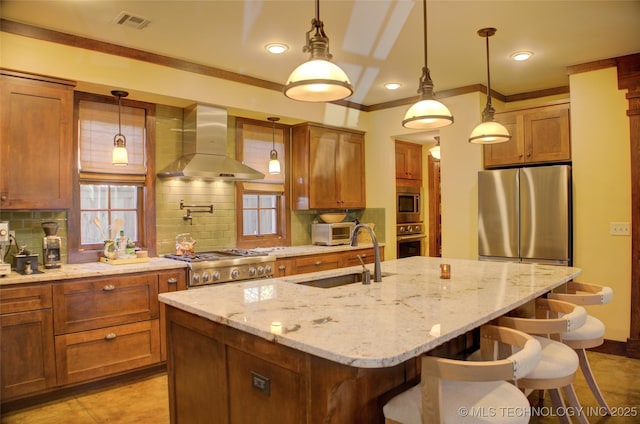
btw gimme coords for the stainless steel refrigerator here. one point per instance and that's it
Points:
(524, 214)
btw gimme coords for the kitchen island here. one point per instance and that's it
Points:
(272, 349)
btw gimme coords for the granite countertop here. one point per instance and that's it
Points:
(93, 269)
(378, 325)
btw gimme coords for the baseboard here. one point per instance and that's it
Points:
(612, 347)
(633, 348)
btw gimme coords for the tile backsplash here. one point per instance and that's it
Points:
(212, 231)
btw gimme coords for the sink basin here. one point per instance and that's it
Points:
(338, 280)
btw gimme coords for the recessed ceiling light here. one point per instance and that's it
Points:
(276, 48)
(520, 56)
(392, 86)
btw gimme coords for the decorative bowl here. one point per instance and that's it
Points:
(332, 218)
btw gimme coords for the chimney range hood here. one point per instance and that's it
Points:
(204, 149)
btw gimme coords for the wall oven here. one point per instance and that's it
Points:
(410, 240)
(408, 205)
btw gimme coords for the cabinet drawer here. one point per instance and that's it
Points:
(316, 263)
(92, 354)
(25, 298)
(351, 258)
(104, 302)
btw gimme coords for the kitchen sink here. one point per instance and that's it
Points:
(338, 280)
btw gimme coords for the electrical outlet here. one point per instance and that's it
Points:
(12, 233)
(620, 228)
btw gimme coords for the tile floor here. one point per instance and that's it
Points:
(146, 401)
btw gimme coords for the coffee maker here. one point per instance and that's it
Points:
(51, 245)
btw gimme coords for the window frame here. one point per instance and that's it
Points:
(283, 234)
(146, 193)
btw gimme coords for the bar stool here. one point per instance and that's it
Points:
(558, 362)
(453, 391)
(591, 334)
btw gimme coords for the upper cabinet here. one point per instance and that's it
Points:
(36, 148)
(538, 135)
(408, 161)
(328, 168)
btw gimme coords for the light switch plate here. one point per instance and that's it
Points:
(620, 228)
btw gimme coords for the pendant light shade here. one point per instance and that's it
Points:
(435, 150)
(489, 131)
(318, 80)
(274, 163)
(427, 113)
(119, 156)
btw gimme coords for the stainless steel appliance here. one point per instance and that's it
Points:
(222, 266)
(51, 245)
(524, 214)
(5, 268)
(410, 239)
(332, 234)
(408, 205)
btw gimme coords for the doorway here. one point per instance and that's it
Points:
(435, 208)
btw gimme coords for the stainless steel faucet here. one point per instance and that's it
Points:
(377, 274)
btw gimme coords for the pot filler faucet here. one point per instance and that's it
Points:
(377, 274)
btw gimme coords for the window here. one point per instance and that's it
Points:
(111, 198)
(263, 212)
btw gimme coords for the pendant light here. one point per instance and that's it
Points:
(427, 113)
(435, 150)
(274, 163)
(318, 80)
(489, 131)
(119, 156)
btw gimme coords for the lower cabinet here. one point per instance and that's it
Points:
(74, 331)
(26, 340)
(325, 261)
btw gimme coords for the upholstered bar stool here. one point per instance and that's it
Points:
(591, 334)
(558, 364)
(453, 391)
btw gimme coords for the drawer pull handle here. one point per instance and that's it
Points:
(109, 287)
(172, 281)
(282, 268)
(110, 336)
(318, 263)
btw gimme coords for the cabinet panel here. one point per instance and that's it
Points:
(22, 298)
(260, 390)
(36, 143)
(323, 178)
(351, 175)
(92, 354)
(511, 152)
(368, 257)
(168, 281)
(102, 302)
(27, 351)
(284, 267)
(408, 161)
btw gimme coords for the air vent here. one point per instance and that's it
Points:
(130, 20)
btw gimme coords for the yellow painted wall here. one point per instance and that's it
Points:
(602, 191)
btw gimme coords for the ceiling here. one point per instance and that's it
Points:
(374, 41)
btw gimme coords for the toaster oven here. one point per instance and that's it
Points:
(332, 234)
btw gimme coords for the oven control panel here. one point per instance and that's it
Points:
(412, 228)
(202, 276)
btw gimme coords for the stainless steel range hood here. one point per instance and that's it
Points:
(204, 149)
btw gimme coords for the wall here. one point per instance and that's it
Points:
(602, 191)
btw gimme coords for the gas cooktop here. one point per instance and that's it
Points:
(216, 255)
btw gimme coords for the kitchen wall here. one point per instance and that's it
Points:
(29, 233)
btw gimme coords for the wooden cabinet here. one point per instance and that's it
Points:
(328, 168)
(26, 340)
(105, 325)
(324, 261)
(168, 281)
(408, 161)
(538, 135)
(36, 148)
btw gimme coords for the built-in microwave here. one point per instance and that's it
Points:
(332, 234)
(407, 205)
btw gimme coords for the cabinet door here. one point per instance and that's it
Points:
(36, 146)
(408, 161)
(168, 281)
(350, 258)
(27, 351)
(511, 152)
(103, 302)
(323, 179)
(284, 267)
(350, 172)
(93, 354)
(547, 136)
